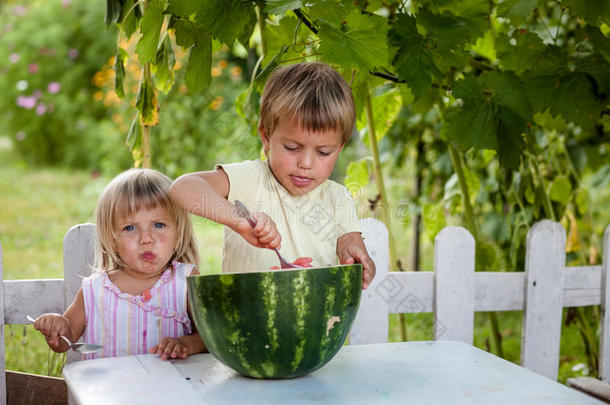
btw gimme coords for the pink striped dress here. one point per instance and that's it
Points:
(126, 324)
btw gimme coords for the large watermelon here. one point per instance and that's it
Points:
(277, 323)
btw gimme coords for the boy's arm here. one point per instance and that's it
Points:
(350, 250)
(205, 194)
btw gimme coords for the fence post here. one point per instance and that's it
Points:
(545, 260)
(604, 339)
(2, 348)
(371, 323)
(78, 259)
(454, 250)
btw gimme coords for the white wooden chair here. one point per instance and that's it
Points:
(19, 298)
(454, 291)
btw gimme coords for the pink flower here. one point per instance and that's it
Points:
(20, 10)
(37, 94)
(41, 109)
(66, 3)
(20, 136)
(33, 68)
(53, 87)
(73, 53)
(13, 57)
(26, 102)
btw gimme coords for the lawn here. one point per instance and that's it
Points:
(38, 206)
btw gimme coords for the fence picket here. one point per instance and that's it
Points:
(454, 249)
(604, 339)
(544, 288)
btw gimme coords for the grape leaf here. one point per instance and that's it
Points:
(413, 61)
(151, 28)
(186, 32)
(569, 94)
(113, 11)
(521, 56)
(595, 12)
(360, 44)
(330, 10)
(279, 7)
(119, 72)
(357, 176)
(596, 40)
(597, 68)
(277, 36)
(182, 8)
(198, 72)
(226, 20)
(164, 66)
(131, 16)
(146, 103)
(516, 11)
(494, 114)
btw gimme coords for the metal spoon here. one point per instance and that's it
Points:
(243, 212)
(77, 347)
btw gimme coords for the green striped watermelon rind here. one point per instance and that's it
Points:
(276, 324)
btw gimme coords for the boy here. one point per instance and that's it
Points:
(307, 115)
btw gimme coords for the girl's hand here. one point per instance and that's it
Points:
(51, 326)
(263, 235)
(170, 348)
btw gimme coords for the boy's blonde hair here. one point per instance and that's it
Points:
(312, 94)
(126, 194)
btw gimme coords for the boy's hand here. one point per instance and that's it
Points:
(51, 326)
(350, 250)
(170, 348)
(263, 235)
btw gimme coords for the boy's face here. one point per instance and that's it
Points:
(301, 160)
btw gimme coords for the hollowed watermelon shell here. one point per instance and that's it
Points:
(276, 324)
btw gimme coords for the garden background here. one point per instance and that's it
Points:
(486, 114)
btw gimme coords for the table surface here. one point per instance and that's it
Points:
(390, 373)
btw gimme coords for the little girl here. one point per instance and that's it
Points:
(135, 301)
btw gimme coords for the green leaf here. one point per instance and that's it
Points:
(131, 16)
(360, 44)
(279, 36)
(595, 40)
(523, 55)
(164, 66)
(357, 176)
(227, 20)
(198, 72)
(560, 189)
(279, 7)
(595, 12)
(516, 10)
(386, 107)
(261, 77)
(146, 103)
(582, 201)
(597, 68)
(413, 61)
(119, 72)
(182, 8)
(151, 29)
(434, 219)
(494, 114)
(569, 94)
(186, 33)
(113, 11)
(330, 11)
(134, 136)
(448, 31)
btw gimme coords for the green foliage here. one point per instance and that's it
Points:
(47, 106)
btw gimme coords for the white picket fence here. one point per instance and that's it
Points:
(453, 292)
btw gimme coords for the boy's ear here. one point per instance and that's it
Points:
(264, 138)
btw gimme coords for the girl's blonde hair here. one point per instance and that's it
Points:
(313, 94)
(126, 194)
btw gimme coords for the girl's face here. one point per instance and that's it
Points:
(146, 241)
(301, 160)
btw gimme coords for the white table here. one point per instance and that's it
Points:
(440, 372)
